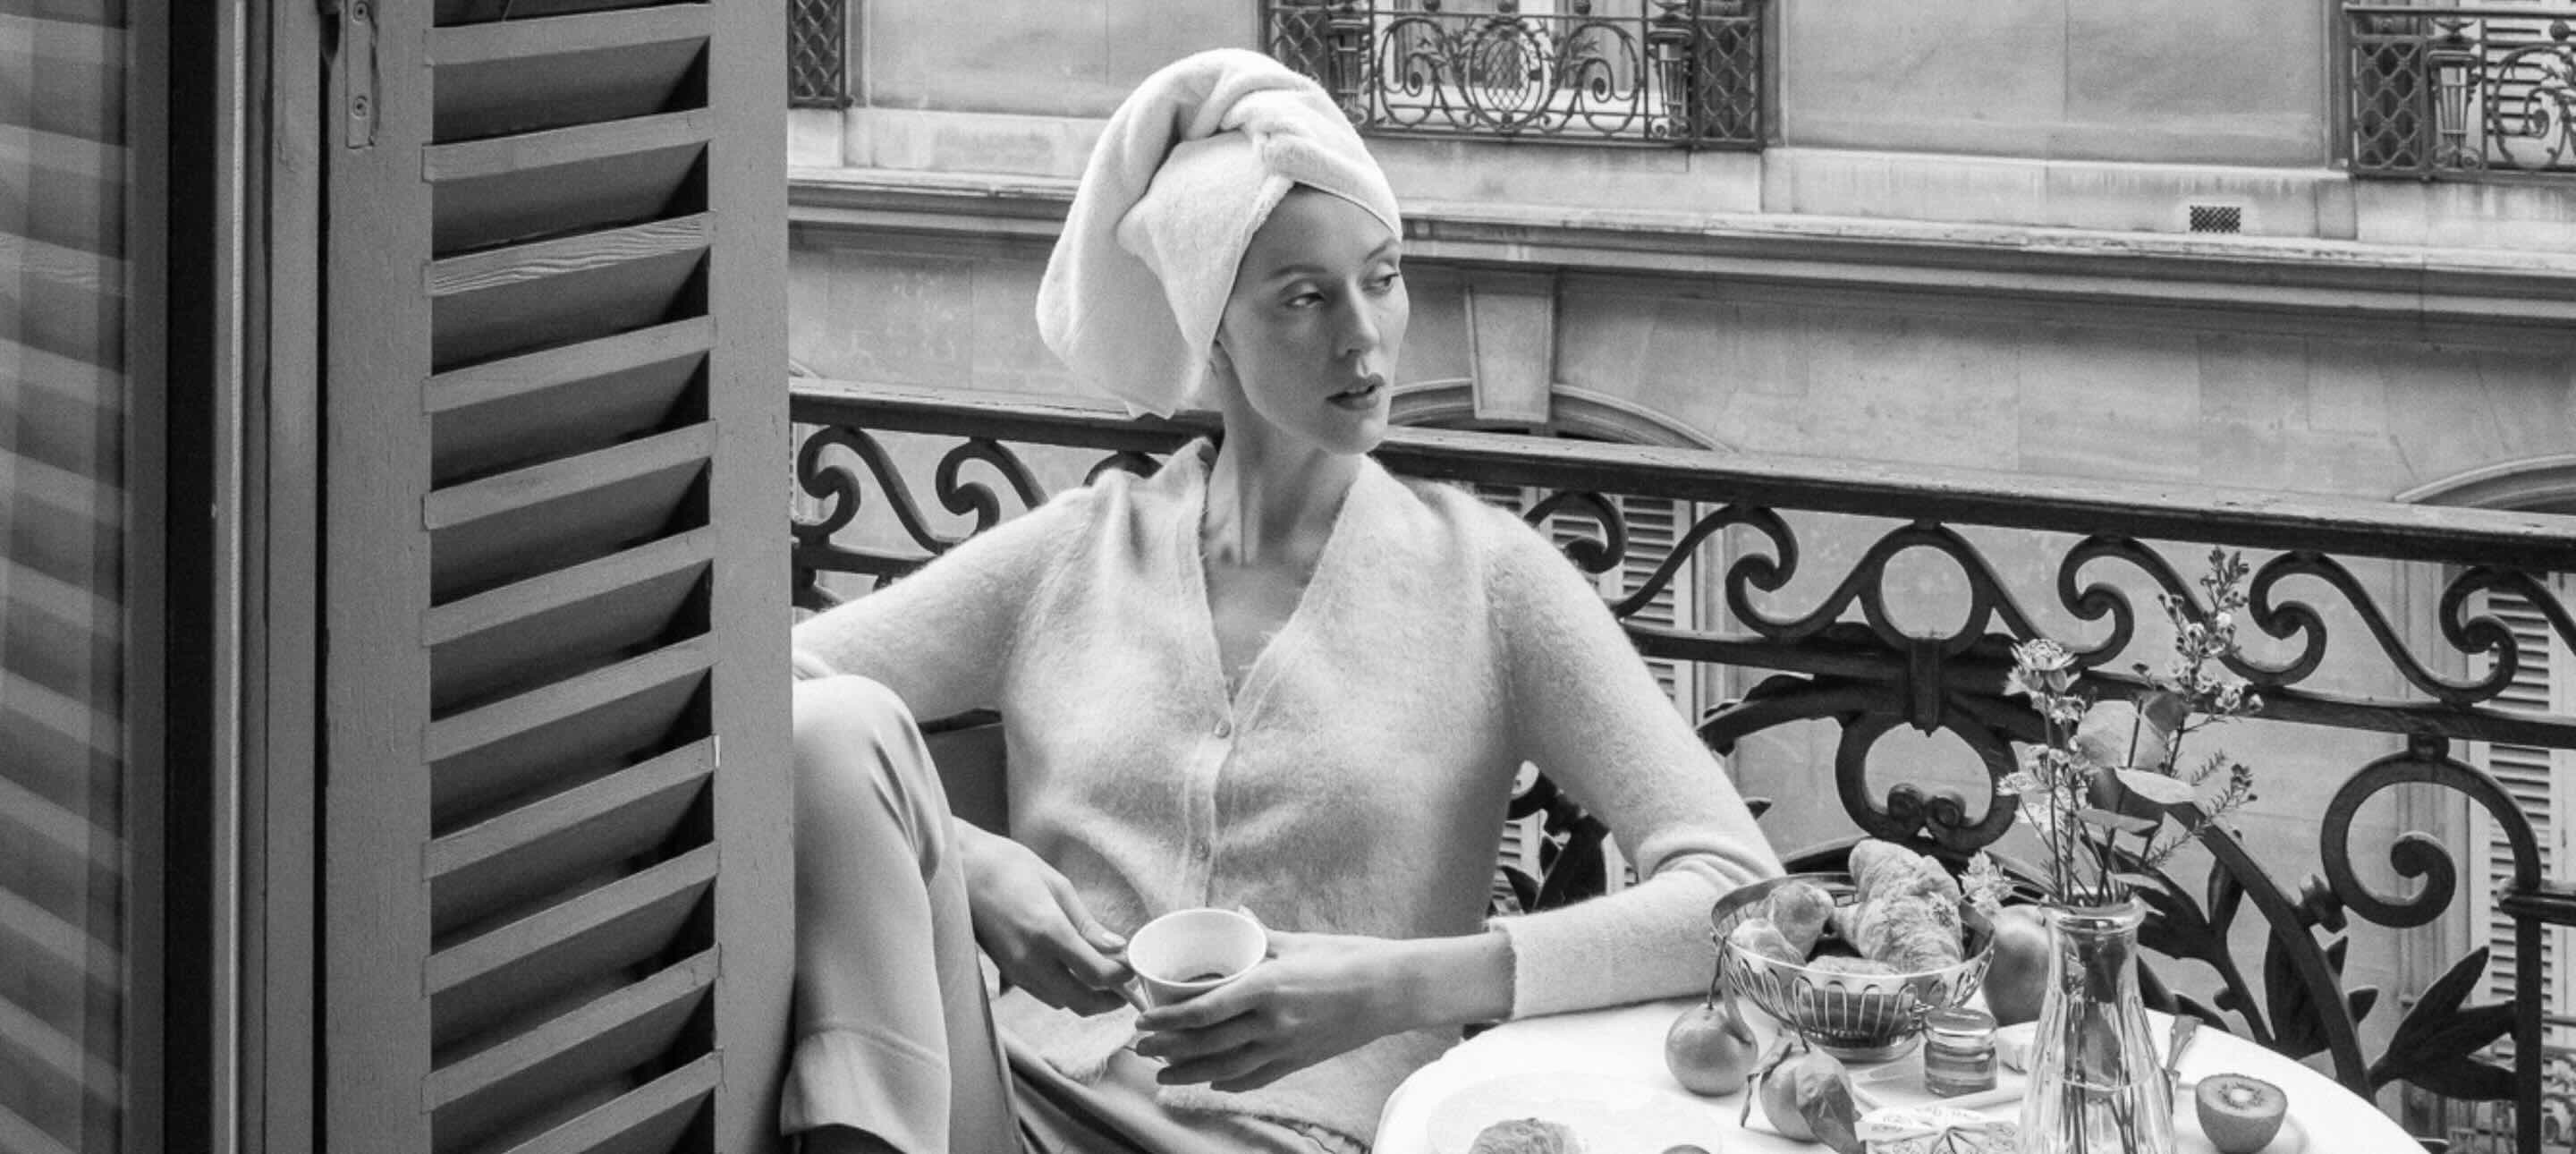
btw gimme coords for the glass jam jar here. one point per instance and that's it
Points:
(1958, 1052)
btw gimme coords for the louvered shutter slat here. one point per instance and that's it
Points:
(645, 1121)
(558, 904)
(583, 1048)
(494, 978)
(2524, 771)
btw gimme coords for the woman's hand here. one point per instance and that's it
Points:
(1320, 995)
(1041, 936)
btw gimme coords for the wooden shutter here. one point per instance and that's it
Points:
(1655, 525)
(2538, 778)
(556, 886)
(80, 382)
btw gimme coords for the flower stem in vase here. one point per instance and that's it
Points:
(2095, 1083)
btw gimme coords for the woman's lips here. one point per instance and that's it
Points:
(1363, 397)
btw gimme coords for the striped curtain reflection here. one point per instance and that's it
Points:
(65, 175)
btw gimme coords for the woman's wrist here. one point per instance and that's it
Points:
(1456, 981)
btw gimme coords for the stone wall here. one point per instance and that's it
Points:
(2364, 339)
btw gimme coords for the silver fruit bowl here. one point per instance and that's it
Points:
(1854, 1017)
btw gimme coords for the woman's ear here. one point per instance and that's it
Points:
(1221, 376)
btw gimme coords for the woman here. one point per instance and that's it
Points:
(1271, 676)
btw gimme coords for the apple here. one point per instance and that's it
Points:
(2017, 976)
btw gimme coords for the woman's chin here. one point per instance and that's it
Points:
(1361, 436)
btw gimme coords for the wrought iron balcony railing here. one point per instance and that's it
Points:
(2457, 91)
(1678, 73)
(1837, 654)
(818, 45)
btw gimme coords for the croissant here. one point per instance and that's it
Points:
(1884, 870)
(1757, 935)
(1800, 908)
(1527, 1136)
(1908, 914)
(1910, 932)
(1856, 967)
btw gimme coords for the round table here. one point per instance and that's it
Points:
(1606, 1067)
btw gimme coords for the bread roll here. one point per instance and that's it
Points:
(1527, 1136)
(1800, 908)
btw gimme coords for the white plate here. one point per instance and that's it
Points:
(1611, 1116)
(1900, 1083)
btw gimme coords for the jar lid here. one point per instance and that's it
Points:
(1960, 1020)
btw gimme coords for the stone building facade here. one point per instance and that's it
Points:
(1967, 239)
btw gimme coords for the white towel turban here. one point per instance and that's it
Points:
(1187, 168)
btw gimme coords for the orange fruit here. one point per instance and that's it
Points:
(1710, 1049)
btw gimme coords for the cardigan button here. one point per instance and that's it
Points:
(1224, 728)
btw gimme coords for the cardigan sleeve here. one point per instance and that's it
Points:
(1589, 714)
(940, 636)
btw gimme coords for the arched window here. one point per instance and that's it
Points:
(2542, 780)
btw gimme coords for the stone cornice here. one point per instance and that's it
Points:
(2475, 290)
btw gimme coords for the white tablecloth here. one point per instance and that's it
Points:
(1603, 1072)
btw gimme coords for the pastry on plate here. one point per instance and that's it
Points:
(1527, 1136)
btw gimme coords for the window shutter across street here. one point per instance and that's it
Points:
(556, 884)
(2539, 779)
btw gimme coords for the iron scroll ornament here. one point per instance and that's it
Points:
(833, 481)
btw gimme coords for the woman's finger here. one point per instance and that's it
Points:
(1082, 942)
(1190, 1045)
(1100, 937)
(1229, 1064)
(1258, 1078)
(1231, 1000)
(1060, 988)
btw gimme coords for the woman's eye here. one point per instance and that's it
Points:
(1386, 282)
(1305, 300)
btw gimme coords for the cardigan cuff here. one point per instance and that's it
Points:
(870, 1082)
(1647, 941)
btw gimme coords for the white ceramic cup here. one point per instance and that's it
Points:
(1186, 953)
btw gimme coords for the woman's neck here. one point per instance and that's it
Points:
(1270, 502)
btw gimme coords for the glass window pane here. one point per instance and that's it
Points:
(70, 536)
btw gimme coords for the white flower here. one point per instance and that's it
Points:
(2040, 665)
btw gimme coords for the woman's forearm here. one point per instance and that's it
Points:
(1455, 981)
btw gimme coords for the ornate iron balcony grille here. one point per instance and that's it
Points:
(2094, 552)
(818, 40)
(1674, 73)
(2453, 91)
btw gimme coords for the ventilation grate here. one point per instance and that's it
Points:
(2226, 218)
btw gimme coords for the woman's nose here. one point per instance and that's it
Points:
(1358, 330)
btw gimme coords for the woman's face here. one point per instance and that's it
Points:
(1315, 322)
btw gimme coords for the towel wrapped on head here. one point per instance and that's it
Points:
(1186, 170)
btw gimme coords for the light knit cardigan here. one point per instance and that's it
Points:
(1356, 783)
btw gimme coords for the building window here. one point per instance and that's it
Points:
(2438, 92)
(2543, 782)
(1674, 73)
(818, 53)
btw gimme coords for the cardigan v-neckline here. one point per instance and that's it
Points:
(1242, 698)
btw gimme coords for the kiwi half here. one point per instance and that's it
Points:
(2240, 1114)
